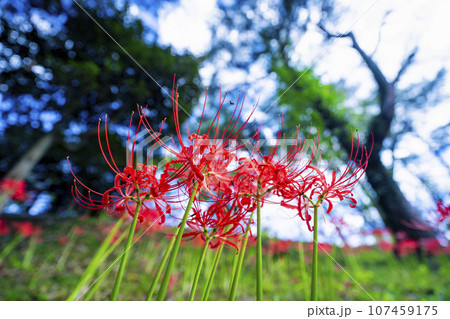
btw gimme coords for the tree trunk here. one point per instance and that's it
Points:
(24, 166)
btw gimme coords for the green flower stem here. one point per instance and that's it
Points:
(99, 262)
(199, 269)
(66, 252)
(11, 245)
(259, 290)
(173, 255)
(233, 270)
(97, 284)
(303, 273)
(237, 273)
(205, 294)
(161, 266)
(38, 273)
(26, 262)
(126, 252)
(330, 277)
(93, 265)
(315, 260)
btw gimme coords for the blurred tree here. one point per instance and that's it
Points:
(60, 72)
(268, 33)
(398, 214)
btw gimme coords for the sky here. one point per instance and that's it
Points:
(389, 37)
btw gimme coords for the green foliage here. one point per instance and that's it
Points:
(71, 73)
(300, 94)
(306, 91)
(382, 275)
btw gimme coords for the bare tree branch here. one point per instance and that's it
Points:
(373, 67)
(406, 63)
(383, 22)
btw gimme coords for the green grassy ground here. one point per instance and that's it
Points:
(50, 271)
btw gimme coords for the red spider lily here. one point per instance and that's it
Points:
(151, 218)
(276, 173)
(26, 229)
(14, 188)
(281, 173)
(219, 224)
(244, 186)
(4, 229)
(342, 187)
(303, 208)
(315, 188)
(443, 211)
(131, 185)
(204, 157)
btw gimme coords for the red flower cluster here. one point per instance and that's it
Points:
(131, 185)
(230, 181)
(27, 229)
(14, 188)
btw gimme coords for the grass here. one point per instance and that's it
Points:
(384, 277)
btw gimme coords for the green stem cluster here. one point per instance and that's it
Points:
(161, 266)
(11, 245)
(126, 252)
(96, 260)
(199, 269)
(173, 256)
(237, 271)
(259, 290)
(207, 289)
(105, 273)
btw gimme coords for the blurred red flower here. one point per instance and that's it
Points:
(4, 229)
(278, 246)
(323, 247)
(386, 245)
(63, 240)
(78, 230)
(431, 246)
(406, 247)
(26, 229)
(14, 188)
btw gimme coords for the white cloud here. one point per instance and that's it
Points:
(185, 25)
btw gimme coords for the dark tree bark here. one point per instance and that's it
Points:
(397, 213)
